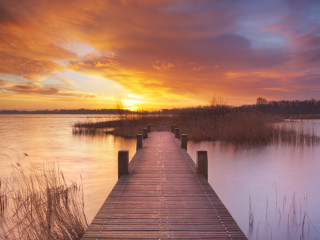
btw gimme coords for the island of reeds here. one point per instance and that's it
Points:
(249, 125)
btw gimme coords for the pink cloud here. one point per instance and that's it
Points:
(181, 48)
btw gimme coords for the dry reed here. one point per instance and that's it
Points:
(241, 128)
(41, 205)
(3, 198)
(128, 125)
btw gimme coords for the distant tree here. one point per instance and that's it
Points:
(261, 101)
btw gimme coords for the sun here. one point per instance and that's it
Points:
(133, 109)
(130, 104)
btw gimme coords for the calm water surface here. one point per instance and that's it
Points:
(282, 182)
(48, 138)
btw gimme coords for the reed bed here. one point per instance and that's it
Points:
(41, 205)
(230, 126)
(128, 126)
(242, 128)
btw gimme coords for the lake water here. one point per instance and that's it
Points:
(48, 138)
(280, 181)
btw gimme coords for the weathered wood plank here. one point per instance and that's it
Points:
(163, 198)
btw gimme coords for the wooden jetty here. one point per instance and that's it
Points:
(162, 198)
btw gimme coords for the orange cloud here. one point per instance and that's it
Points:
(162, 66)
(26, 67)
(27, 89)
(167, 51)
(3, 82)
(30, 89)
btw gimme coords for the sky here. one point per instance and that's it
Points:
(57, 54)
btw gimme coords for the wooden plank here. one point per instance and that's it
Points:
(163, 198)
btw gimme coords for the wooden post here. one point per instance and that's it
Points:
(177, 132)
(145, 133)
(123, 162)
(149, 128)
(172, 128)
(139, 141)
(202, 163)
(184, 141)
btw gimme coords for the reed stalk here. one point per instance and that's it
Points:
(42, 205)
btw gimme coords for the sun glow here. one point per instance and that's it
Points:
(132, 104)
(134, 109)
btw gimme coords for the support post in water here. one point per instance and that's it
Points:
(139, 141)
(184, 141)
(202, 163)
(172, 128)
(145, 133)
(123, 163)
(177, 132)
(149, 128)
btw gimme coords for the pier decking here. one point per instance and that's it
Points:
(163, 198)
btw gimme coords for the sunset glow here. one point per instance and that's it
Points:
(156, 54)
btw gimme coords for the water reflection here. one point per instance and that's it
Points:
(280, 180)
(48, 138)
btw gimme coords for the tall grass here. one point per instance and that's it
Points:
(127, 126)
(288, 220)
(41, 205)
(219, 123)
(242, 128)
(232, 127)
(3, 198)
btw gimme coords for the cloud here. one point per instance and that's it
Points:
(163, 49)
(193, 66)
(28, 44)
(90, 96)
(32, 89)
(35, 90)
(26, 67)
(162, 66)
(5, 16)
(3, 82)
